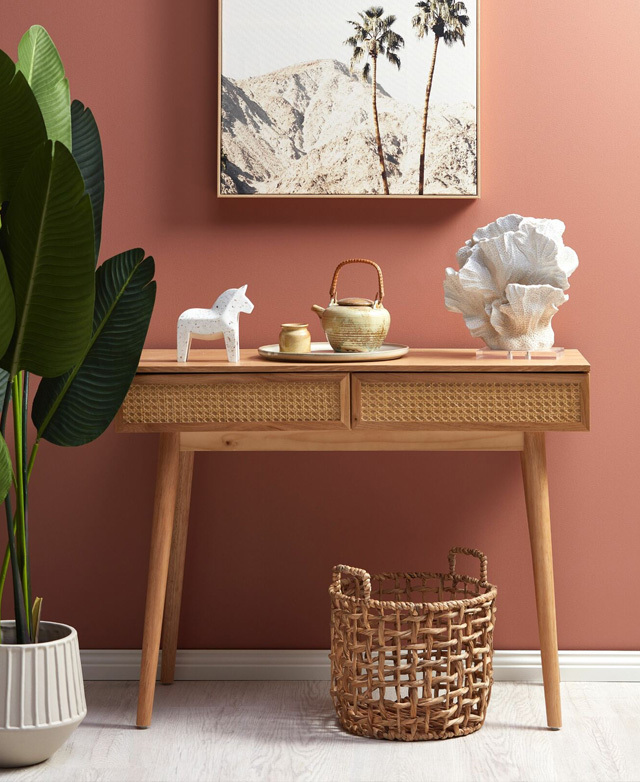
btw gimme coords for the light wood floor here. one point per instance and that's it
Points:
(285, 731)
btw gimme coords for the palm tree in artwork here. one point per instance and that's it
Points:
(372, 38)
(447, 20)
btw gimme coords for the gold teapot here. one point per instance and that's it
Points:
(354, 325)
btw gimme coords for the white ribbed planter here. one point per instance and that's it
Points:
(41, 693)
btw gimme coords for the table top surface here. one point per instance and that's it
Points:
(205, 361)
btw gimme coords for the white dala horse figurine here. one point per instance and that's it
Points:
(220, 321)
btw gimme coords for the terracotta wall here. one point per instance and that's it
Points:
(560, 129)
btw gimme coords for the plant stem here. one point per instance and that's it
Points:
(21, 532)
(32, 458)
(5, 408)
(34, 451)
(3, 424)
(22, 630)
(5, 567)
(25, 493)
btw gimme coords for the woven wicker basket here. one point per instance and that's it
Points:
(403, 667)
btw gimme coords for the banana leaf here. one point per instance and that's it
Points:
(87, 151)
(39, 61)
(78, 406)
(7, 309)
(48, 249)
(21, 125)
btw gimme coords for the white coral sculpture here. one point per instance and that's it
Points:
(512, 278)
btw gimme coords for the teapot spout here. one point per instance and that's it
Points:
(318, 310)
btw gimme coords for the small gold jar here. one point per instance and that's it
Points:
(295, 338)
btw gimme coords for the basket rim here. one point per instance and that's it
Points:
(431, 606)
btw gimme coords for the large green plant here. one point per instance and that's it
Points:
(79, 329)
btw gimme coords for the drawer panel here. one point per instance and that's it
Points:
(236, 402)
(427, 400)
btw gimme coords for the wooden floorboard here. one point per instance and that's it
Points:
(286, 731)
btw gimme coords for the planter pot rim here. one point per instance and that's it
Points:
(71, 633)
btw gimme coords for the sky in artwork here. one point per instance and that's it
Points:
(260, 36)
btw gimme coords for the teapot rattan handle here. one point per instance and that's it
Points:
(362, 578)
(473, 552)
(334, 282)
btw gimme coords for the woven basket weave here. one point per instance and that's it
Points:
(405, 667)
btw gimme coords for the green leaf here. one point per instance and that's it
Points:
(87, 151)
(77, 407)
(39, 61)
(21, 125)
(5, 469)
(7, 308)
(48, 249)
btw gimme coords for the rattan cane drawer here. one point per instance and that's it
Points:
(426, 400)
(234, 402)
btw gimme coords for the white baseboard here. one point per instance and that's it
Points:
(313, 664)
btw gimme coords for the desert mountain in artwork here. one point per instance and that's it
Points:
(307, 129)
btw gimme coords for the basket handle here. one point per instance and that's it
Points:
(334, 282)
(472, 552)
(360, 575)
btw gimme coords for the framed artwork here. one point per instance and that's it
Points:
(342, 99)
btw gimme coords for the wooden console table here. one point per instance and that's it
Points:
(430, 400)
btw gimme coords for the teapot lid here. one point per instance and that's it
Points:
(355, 301)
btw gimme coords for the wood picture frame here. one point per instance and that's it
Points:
(277, 139)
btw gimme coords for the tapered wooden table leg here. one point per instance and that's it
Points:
(163, 515)
(173, 597)
(536, 489)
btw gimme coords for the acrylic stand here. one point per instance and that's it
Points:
(527, 355)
